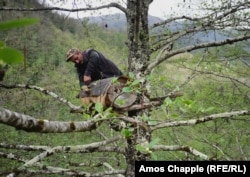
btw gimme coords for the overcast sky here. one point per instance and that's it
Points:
(158, 8)
(164, 8)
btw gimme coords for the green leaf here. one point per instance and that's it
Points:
(115, 80)
(126, 132)
(11, 55)
(98, 107)
(164, 108)
(120, 101)
(126, 89)
(153, 122)
(135, 82)
(168, 101)
(187, 102)
(140, 148)
(18, 23)
(153, 142)
(131, 75)
(209, 109)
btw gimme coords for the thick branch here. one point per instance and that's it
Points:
(30, 124)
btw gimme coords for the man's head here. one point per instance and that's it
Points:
(75, 56)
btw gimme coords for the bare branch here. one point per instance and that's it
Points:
(244, 154)
(63, 171)
(200, 120)
(222, 76)
(44, 148)
(78, 148)
(11, 156)
(180, 148)
(217, 19)
(111, 168)
(174, 19)
(74, 108)
(218, 149)
(115, 5)
(52, 170)
(24, 147)
(167, 55)
(213, 17)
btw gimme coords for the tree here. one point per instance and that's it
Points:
(147, 50)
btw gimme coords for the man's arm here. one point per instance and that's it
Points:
(91, 69)
(80, 76)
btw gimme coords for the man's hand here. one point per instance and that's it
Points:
(87, 80)
(85, 89)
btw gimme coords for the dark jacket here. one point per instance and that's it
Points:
(97, 66)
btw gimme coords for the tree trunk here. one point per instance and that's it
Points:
(140, 137)
(138, 58)
(138, 35)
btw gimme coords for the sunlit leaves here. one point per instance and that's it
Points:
(99, 107)
(132, 85)
(127, 132)
(10, 55)
(126, 89)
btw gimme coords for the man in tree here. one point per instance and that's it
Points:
(92, 65)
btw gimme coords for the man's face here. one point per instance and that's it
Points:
(77, 58)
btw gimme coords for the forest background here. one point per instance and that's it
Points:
(218, 84)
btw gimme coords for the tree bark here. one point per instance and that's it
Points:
(138, 58)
